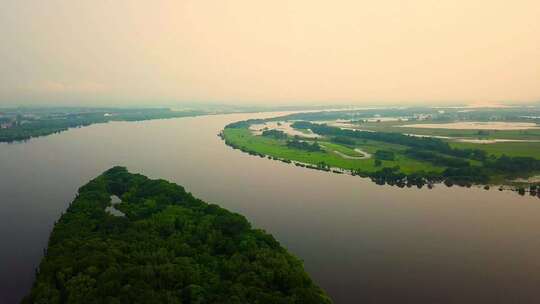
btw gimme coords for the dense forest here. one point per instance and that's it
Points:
(169, 247)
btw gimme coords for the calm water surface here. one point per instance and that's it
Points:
(361, 242)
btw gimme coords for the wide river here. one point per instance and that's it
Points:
(361, 242)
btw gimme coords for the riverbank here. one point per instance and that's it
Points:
(395, 160)
(304, 209)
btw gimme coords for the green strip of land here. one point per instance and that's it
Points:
(243, 138)
(23, 124)
(390, 157)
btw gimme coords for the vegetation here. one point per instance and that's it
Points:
(373, 120)
(343, 140)
(398, 159)
(27, 124)
(514, 149)
(168, 248)
(437, 159)
(384, 155)
(274, 134)
(401, 127)
(304, 145)
(244, 140)
(426, 143)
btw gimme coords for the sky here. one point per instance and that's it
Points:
(279, 52)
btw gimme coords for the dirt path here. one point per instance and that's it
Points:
(363, 154)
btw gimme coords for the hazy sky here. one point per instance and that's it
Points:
(123, 52)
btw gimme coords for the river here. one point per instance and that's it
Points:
(361, 242)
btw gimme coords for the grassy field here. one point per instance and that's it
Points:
(431, 165)
(277, 148)
(518, 149)
(522, 149)
(394, 126)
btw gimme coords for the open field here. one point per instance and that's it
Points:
(400, 127)
(476, 125)
(453, 135)
(518, 143)
(396, 157)
(277, 148)
(518, 149)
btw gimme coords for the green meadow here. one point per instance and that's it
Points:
(518, 149)
(399, 127)
(242, 137)
(395, 159)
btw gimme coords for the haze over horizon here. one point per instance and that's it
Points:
(281, 52)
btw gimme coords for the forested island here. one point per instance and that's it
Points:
(164, 246)
(19, 124)
(388, 156)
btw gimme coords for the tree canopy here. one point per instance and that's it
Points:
(170, 247)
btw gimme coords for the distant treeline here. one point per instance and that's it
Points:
(170, 247)
(50, 123)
